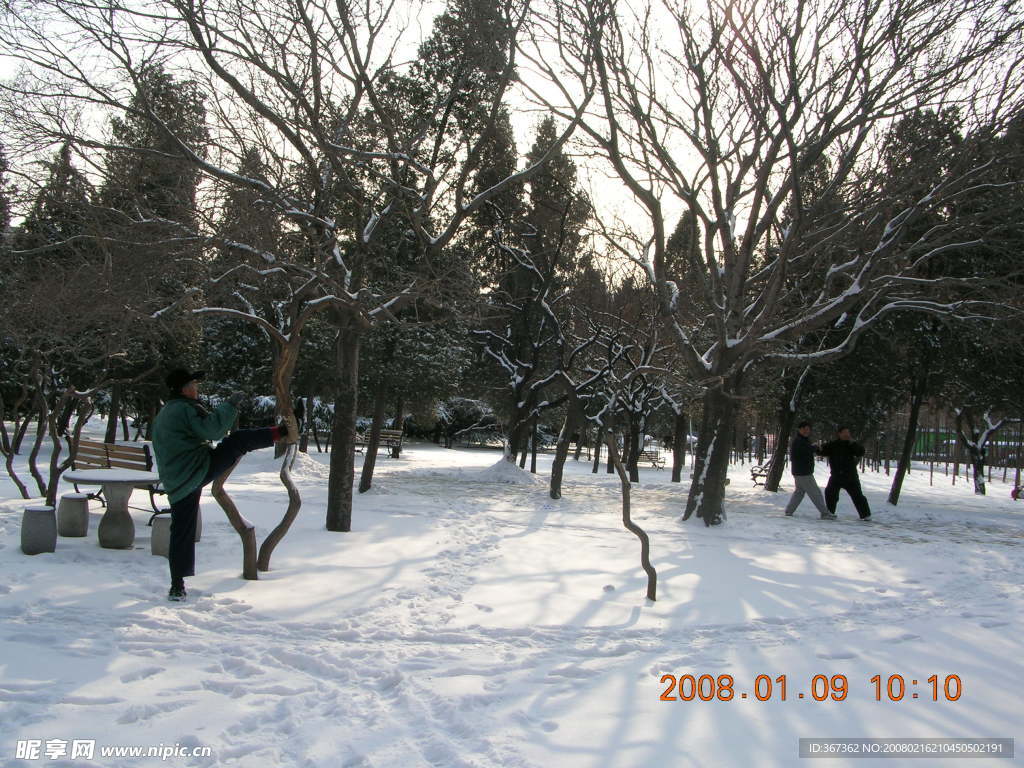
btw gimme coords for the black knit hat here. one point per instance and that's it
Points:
(803, 424)
(179, 377)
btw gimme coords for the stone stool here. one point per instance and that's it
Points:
(73, 515)
(160, 539)
(38, 530)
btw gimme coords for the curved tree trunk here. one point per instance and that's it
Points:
(343, 431)
(246, 530)
(20, 426)
(645, 542)
(9, 454)
(294, 504)
(56, 437)
(285, 361)
(44, 412)
(370, 460)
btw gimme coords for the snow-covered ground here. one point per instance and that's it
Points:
(469, 620)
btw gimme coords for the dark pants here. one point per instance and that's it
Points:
(852, 486)
(185, 512)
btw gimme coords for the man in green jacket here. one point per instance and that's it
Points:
(186, 462)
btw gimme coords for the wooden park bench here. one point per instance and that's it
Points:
(759, 473)
(654, 457)
(389, 438)
(92, 454)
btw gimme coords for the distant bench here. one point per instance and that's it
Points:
(389, 438)
(760, 473)
(652, 457)
(92, 454)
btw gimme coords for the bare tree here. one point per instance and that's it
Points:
(722, 110)
(354, 131)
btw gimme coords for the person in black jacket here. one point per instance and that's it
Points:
(801, 463)
(843, 455)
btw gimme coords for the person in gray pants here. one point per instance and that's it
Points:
(801, 461)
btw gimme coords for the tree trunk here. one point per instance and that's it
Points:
(562, 449)
(634, 450)
(678, 447)
(645, 543)
(399, 422)
(5, 440)
(978, 469)
(246, 530)
(533, 448)
(43, 412)
(916, 399)
(343, 431)
(294, 504)
(285, 360)
(307, 408)
(9, 463)
(711, 461)
(64, 422)
(787, 417)
(517, 435)
(58, 447)
(110, 436)
(150, 418)
(597, 450)
(20, 426)
(370, 461)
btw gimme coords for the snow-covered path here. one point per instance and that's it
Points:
(468, 620)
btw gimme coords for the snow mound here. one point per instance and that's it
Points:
(507, 472)
(308, 468)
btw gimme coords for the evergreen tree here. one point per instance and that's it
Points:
(147, 174)
(62, 216)
(149, 222)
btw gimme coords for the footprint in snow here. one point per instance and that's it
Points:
(91, 701)
(993, 624)
(143, 712)
(141, 674)
(484, 608)
(904, 638)
(837, 656)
